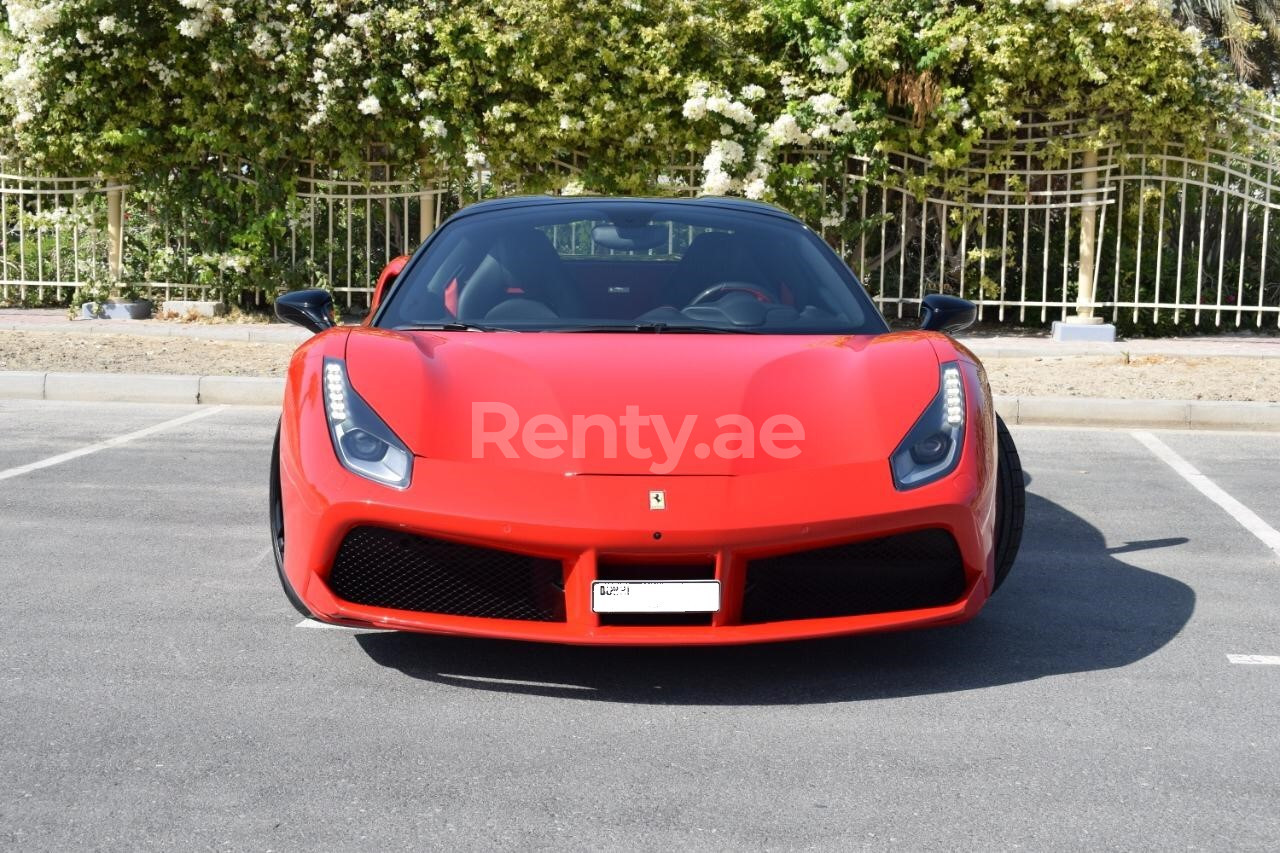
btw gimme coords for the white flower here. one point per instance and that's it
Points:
(1106, 27)
(752, 92)
(754, 189)
(573, 187)
(107, 24)
(263, 45)
(475, 159)
(727, 151)
(433, 127)
(695, 108)
(32, 20)
(716, 183)
(785, 130)
(1131, 31)
(831, 220)
(957, 43)
(193, 28)
(370, 106)
(825, 104)
(1197, 39)
(832, 63)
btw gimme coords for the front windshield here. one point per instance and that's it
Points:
(629, 265)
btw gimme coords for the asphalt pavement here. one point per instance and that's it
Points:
(157, 691)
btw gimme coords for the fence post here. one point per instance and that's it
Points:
(426, 203)
(1087, 279)
(1083, 325)
(115, 229)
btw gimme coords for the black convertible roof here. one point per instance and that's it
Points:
(512, 202)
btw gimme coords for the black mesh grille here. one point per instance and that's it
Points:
(386, 568)
(904, 572)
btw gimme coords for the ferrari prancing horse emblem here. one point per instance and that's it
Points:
(657, 499)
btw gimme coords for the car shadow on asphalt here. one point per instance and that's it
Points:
(1068, 606)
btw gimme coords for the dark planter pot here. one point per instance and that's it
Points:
(115, 309)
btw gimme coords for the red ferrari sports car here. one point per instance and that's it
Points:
(637, 421)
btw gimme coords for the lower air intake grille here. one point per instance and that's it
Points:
(386, 568)
(904, 572)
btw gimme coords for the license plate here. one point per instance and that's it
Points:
(655, 596)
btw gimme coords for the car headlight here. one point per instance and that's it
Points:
(365, 445)
(931, 449)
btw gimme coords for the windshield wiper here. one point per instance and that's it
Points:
(450, 327)
(659, 328)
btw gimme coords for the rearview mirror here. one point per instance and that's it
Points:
(388, 275)
(625, 237)
(310, 309)
(946, 314)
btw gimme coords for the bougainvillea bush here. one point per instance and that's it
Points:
(766, 97)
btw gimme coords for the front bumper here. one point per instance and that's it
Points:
(585, 521)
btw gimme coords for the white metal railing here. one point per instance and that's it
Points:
(51, 232)
(1140, 234)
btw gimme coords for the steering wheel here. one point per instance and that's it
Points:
(722, 287)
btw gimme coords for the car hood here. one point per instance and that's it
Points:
(454, 395)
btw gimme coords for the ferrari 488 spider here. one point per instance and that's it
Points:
(637, 421)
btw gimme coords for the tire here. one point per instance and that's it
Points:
(276, 516)
(1011, 502)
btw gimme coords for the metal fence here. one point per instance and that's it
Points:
(1037, 227)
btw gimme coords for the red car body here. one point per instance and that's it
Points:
(574, 521)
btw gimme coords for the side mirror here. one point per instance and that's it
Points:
(310, 309)
(947, 314)
(388, 275)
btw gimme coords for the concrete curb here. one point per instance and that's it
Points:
(141, 388)
(268, 391)
(1168, 414)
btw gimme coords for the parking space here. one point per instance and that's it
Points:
(157, 692)
(1245, 465)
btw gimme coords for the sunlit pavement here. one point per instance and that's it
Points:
(158, 690)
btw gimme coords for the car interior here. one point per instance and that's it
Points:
(514, 271)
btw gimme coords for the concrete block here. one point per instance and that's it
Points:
(1007, 408)
(1233, 414)
(1097, 411)
(242, 390)
(1104, 332)
(122, 387)
(21, 385)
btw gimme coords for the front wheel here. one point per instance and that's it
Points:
(1011, 502)
(276, 503)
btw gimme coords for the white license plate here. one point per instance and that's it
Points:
(655, 596)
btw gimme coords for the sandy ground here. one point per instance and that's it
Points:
(55, 351)
(1144, 377)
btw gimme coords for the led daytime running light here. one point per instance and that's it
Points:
(336, 391)
(954, 393)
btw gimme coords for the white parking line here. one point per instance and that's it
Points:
(108, 443)
(1258, 660)
(1248, 518)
